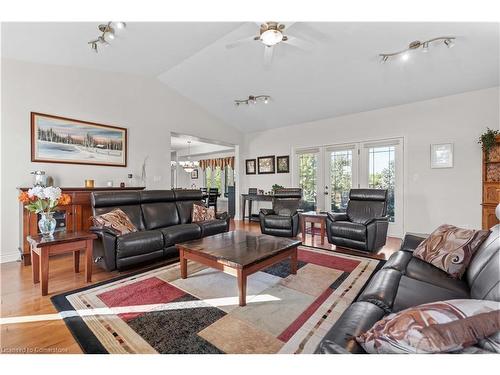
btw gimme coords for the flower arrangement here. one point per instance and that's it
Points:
(44, 199)
(487, 141)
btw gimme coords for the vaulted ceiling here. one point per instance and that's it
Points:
(338, 73)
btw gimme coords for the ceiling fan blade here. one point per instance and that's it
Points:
(240, 42)
(298, 42)
(268, 55)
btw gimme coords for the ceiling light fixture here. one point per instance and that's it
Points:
(271, 33)
(107, 32)
(189, 165)
(253, 100)
(449, 41)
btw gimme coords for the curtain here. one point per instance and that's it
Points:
(218, 162)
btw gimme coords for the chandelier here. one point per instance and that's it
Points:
(189, 165)
(448, 41)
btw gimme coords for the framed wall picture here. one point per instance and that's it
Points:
(265, 164)
(250, 166)
(442, 155)
(283, 164)
(57, 139)
(194, 174)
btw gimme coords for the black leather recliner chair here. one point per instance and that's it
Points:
(364, 225)
(282, 220)
(163, 219)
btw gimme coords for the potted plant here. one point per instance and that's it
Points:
(43, 201)
(488, 141)
(276, 187)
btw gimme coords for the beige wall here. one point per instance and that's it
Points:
(432, 196)
(148, 108)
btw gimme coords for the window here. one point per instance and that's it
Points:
(307, 179)
(219, 179)
(341, 179)
(382, 174)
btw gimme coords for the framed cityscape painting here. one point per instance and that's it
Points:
(265, 164)
(283, 164)
(57, 139)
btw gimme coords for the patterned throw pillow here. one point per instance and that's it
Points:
(437, 327)
(117, 220)
(202, 213)
(451, 248)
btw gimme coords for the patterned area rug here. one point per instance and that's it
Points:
(158, 312)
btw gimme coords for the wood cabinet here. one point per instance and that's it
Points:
(75, 216)
(491, 185)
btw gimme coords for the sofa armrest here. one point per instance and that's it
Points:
(100, 231)
(106, 245)
(337, 216)
(375, 219)
(411, 242)
(267, 211)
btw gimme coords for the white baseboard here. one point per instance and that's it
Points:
(12, 256)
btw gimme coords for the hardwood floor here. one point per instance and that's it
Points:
(30, 323)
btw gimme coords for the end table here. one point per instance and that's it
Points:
(313, 217)
(62, 242)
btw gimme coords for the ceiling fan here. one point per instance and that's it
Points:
(271, 33)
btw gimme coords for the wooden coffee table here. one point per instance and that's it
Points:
(313, 217)
(239, 253)
(62, 242)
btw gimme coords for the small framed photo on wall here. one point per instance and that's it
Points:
(265, 164)
(250, 166)
(283, 164)
(442, 155)
(194, 174)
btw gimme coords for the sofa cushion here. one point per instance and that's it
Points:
(346, 229)
(382, 289)
(116, 220)
(211, 227)
(160, 214)
(277, 222)
(356, 319)
(451, 248)
(437, 327)
(138, 243)
(180, 233)
(412, 292)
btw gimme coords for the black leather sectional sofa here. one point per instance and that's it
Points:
(163, 218)
(405, 281)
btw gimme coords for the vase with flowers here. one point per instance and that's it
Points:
(43, 201)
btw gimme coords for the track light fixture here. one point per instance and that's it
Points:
(448, 41)
(253, 100)
(107, 33)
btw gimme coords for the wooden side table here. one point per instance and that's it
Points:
(61, 243)
(313, 217)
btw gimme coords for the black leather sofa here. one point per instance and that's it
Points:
(405, 281)
(163, 219)
(283, 219)
(364, 225)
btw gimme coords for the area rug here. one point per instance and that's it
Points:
(158, 312)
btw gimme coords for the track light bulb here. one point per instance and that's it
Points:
(449, 43)
(119, 25)
(384, 59)
(425, 47)
(405, 56)
(110, 34)
(266, 100)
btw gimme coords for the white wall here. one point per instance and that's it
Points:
(432, 196)
(148, 108)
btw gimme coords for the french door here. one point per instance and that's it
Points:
(327, 174)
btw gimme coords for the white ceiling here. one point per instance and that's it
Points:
(339, 74)
(180, 145)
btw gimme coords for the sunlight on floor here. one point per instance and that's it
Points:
(225, 301)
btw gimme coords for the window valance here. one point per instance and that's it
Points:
(217, 162)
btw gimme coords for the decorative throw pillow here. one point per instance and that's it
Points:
(202, 213)
(451, 248)
(436, 327)
(116, 220)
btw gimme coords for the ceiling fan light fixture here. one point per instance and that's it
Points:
(271, 37)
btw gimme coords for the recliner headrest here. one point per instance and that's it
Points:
(114, 198)
(152, 196)
(188, 195)
(368, 194)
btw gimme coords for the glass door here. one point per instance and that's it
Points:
(307, 162)
(341, 169)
